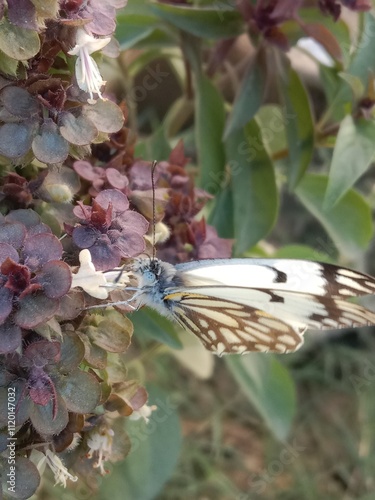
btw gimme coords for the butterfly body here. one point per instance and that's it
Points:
(245, 305)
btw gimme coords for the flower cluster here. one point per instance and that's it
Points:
(46, 115)
(189, 239)
(100, 177)
(34, 122)
(33, 278)
(72, 190)
(53, 108)
(177, 202)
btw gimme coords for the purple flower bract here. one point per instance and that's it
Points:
(32, 276)
(109, 229)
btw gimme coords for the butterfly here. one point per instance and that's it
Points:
(246, 305)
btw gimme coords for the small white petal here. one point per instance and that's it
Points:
(88, 75)
(59, 470)
(93, 282)
(144, 412)
(88, 42)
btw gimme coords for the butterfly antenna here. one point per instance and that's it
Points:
(154, 163)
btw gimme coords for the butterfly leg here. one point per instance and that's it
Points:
(138, 292)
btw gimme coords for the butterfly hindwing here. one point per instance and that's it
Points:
(228, 327)
(235, 319)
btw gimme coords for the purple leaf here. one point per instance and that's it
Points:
(132, 221)
(16, 139)
(7, 251)
(85, 236)
(27, 217)
(119, 201)
(13, 233)
(86, 170)
(41, 353)
(34, 310)
(22, 14)
(49, 146)
(116, 179)
(41, 248)
(55, 278)
(10, 337)
(19, 102)
(130, 244)
(104, 256)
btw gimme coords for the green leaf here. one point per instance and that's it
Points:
(80, 390)
(362, 66)
(18, 43)
(272, 125)
(349, 223)
(8, 65)
(330, 81)
(157, 39)
(249, 96)
(269, 387)
(203, 22)
(363, 63)
(132, 28)
(301, 252)
(156, 146)
(299, 123)
(139, 7)
(355, 84)
(210, 121)
(354, 151)
(151, 325)
(222, 216)
(155, 448)
(255, 196)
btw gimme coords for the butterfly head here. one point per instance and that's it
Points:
(153, 272)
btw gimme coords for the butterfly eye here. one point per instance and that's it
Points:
(149, 277)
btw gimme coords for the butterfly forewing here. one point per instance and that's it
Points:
(299, 276)
(228, 327)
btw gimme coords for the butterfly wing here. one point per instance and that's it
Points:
(228, 327)
(315, 278)
(238, 320)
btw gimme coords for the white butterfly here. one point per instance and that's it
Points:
(245, 305)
